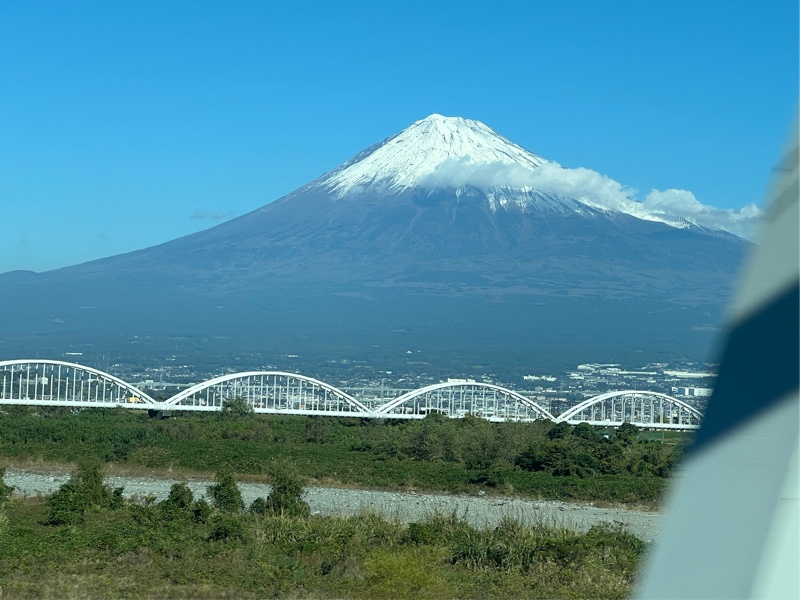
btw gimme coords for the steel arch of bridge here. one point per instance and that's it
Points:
(641, 408)
(459, 398)
(275, 392)
(47, 382)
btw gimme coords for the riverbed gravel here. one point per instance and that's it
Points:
(480, 510)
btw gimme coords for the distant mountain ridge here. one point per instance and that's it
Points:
(432, 223)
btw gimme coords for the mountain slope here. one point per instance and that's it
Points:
(434, 224)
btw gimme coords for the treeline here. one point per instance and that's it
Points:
(86, 540)
(436, 453)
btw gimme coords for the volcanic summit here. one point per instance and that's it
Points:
(443, 220)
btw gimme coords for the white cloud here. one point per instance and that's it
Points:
(597, 190)
(742, 222)
(457, 173)
(584, 184)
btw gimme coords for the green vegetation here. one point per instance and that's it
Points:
(236, 408)
(163, 550)
(456, 455)
(286, 497)
(84, 492)
(5, 489)
(225, 494)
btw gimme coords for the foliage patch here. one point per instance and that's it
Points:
(539, 459)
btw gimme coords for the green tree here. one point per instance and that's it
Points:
(609, 457)
(259, 507)
(535, 458)
(584, 431)
(179, 502)
(481, 448)
(560, 457)
(627, 433)
(286, 497)
(430, 439)
(318, 429)
(559, 431)
(225, 494)
(236, 408)
(228, 528)
(85, 492)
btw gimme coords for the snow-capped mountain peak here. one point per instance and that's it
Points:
(466, 156)
(434, 152)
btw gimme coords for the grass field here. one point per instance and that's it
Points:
(87, 542)
(139, 551)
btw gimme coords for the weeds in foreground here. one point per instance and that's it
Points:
(86, 541)
(144, 551)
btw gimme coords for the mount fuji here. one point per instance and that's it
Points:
(438, 238)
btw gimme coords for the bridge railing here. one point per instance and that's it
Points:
(641, 408)
(60, 383)
(271, 392)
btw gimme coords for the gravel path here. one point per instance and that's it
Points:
(405, 506)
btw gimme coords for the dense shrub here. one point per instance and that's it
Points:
(228, 528)
(493, 477)
(584, 454)
(178, 505)
(286, 496)
(225, 493)
(236, 408)
(201, 511)
(627, 433)
(85, 492)
(5, 489)
(259, 506)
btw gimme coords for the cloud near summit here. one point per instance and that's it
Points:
(597, 190)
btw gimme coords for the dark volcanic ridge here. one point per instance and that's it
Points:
(434, 230)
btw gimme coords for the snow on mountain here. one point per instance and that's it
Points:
(441, 152)
(431, 153)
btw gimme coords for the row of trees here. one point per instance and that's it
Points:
(86, 493)
(560, 449)
(540, 458)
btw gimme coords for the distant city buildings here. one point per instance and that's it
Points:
(692, 392)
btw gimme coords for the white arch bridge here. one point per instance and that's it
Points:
(42, 382)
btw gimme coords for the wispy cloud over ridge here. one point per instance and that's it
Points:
(600, 191)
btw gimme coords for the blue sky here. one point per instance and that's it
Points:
(124, 125)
